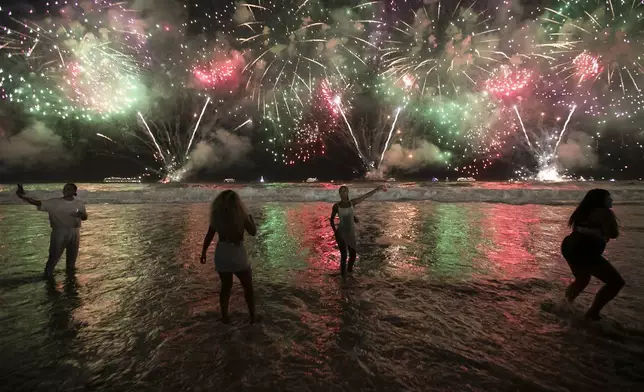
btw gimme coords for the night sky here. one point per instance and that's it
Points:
(619, 151)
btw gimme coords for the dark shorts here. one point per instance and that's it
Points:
(584, 256)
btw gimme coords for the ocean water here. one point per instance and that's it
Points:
(445, 297)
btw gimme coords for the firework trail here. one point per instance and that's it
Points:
(563, 130)
(187, 120)
(369, 131)
(192, 137)
(393, 126)
(154, 140)
(545, 148)
(249, 121)
(525, 133)
(353, 136)
(105, 137)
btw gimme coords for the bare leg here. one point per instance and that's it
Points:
(342, 246)
(352, 259)
(577, 286)
(578, 266)
(603, 270)
(246, 280)
(224, 294)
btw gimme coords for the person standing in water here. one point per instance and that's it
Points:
(65, 216)
(593, 224)
(230, 218)
(345, 232)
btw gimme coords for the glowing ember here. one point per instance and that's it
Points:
(329, 100)
(217, 73)
(550, 173)
(586, 66)
(408, 81)
(508, 81)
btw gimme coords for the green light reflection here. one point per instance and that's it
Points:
(282, 248)
(458, 236)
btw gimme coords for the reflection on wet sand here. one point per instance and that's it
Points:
(510, 236)
(443, 294)
(457, 234)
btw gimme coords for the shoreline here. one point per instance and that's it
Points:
(504, 193)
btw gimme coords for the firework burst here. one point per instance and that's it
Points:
(221, 73)
(509, 82)
(442, 51)
(598, 46)
(541, 139)
(322, 119)
(287, 44)
(86, 55)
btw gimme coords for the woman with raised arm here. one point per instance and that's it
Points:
(345, 232)
(230, 218)
(593, 224)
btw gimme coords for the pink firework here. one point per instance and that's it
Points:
(215, 74)
(74, 69)
(508, 82)
(329, 100)
(408, 81)
(219, 73)
(586, 66)
(309, 144)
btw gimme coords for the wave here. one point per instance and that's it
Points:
(507, 193)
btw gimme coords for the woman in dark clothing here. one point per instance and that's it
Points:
(230, 218)
(593, 224)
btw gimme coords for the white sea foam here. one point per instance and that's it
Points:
(508, 193)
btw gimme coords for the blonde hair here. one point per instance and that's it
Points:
(228, 216)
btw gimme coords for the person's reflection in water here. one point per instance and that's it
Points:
(63, 304)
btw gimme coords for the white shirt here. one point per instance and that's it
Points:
(63, 214)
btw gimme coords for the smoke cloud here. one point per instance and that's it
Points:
(224, 150)
(35, 146)
(410, 159)
(242, 15)
(577, 152)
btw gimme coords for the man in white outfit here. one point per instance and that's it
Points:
(65, 216)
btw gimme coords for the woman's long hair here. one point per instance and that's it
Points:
(228, 216)
(595, 198)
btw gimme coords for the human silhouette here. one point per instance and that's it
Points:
(230, 219)
(593, 224)
(345, 232)
(65, 216)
